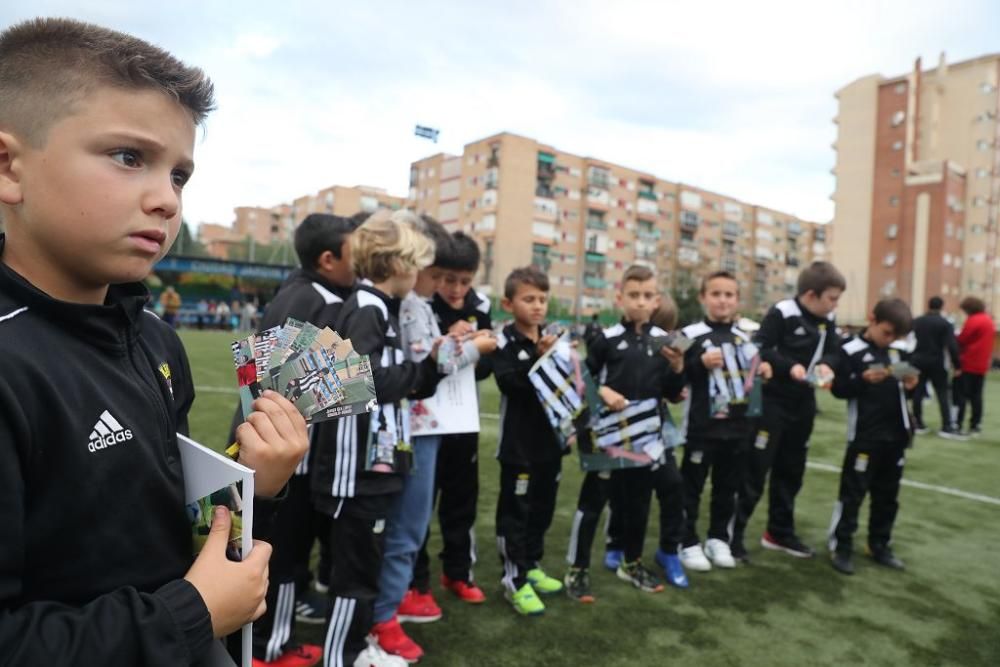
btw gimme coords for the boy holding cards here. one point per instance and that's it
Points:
(873, 375)
(96, 143)
(722, 366)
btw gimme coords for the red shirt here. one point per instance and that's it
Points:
(976, 341)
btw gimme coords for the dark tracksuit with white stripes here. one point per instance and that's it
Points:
(624, 360)
(308, 297)
(878, 433)
(789, 335)
(713, 444)
(456, 483)
(359, 500)
(530, 458)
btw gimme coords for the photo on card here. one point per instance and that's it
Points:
(263, 345)
(201, 512)
(357, 382)
(246, 373)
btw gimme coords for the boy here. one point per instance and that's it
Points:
(719, 366)
(622, 358)
(530, 455)
(798, 338)
(315, 293)
(96, 143)
(879, 431)
(357, 495)
(464, 312)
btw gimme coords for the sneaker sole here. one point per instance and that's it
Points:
(953, 436)
(419, 619)
(585, 599)
(696, 567)
(645, 589)
(777, 547)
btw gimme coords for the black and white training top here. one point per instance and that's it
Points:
(789, 335)
(876, 413)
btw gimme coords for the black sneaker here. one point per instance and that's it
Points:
(640, 577)
(952, 433)
(792, 546)
(577, 584)
(842, 562)
(975, 431)
(312, 608)
(886, 558)
(740, 552)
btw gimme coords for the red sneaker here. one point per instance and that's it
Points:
(466, 592)
(418, 607)
(306, 655)
(392, 639)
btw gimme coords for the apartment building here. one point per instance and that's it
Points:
(584, 220)
(918, 185)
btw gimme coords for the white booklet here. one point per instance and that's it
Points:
(212, 479)
(454, 407)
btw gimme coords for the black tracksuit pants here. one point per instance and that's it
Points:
(969, 389)
(636, 487)
(937, 377)
(456, 485)
(357, 542)
(779, 448)
(726, 461)
(599, 488)
(524, 513)
(874, 468)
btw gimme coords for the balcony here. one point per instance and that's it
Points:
(647, 194)
(688, 256)
(731, 230)
(648, 233)
(647, 208)
(690, 220)
(794, 229)
(599, 178)
(599, 197)
(594, 282)
(596, 242)
(545, 208)
(819, 235)
(594, 258)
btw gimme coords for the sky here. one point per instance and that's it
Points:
(734, 97)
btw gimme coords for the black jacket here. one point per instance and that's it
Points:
(475, 309)
(370, 319)
(789, 335)
(935, 336)
(624, 360)
(94, 537)
(875, 412)
(526, 436)
(698, 420)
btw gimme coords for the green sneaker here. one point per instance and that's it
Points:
(543, 583)
(525, 601)
(578, 585)
(636, 574)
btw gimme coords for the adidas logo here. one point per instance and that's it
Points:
(107, 432)
(868, 357)
(801, 331)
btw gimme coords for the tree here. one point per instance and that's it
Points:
(186, 244)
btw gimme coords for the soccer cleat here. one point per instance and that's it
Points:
(842, 562)
(391, 638)
(672, 568)
(886, 558)
(718, 552)
(952, 434)
(792, 546)
(312, 608)
(577, 583)
(613, 558)
(740, 552)
(374, 656)
(305, 655)
(637, 575)
(543, 583)
(466, 591)
(525, 601)
(418, 607)
(693, 558)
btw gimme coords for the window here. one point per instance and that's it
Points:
(895, 172)
(893, 200)
(892, 231)
(898, 118)
(982, 173)
(986, 88)
(595, 219)
(900, 88)
(978, 201)
(982, 145)
(897, 145)
(949, 230)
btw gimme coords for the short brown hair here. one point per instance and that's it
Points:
(637, 272)
(665, 315)
(718, 274)
(382, 248)
(972, 305)
(49, 65)
(819, 277)
(527, 275)
(896, 313)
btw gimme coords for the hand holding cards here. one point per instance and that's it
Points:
(675, 340)
(903, 369)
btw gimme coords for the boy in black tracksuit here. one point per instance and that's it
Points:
(315, 294)
(96, 564)
(718, 366)
(460, 310)
(529, 452)
(798, 339)
(878, 432)
(622, 359)
(356, 492)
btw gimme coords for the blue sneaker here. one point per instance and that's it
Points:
(672, 568)
(613, 558)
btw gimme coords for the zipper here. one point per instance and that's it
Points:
(155, 393)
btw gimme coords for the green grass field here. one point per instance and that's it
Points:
(944, 610)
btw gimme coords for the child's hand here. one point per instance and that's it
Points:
(272, 442)
(798, 373)
(765, 370)
(485, 344)
(675, 357)
(712, 359)
(545, 343)
(612, 398)
(875, 375)
(910, 382)
(825, 372)
(461, 328)
(232, 592)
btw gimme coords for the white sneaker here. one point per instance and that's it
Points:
(693, 558)
(374, 656)
(718, 552)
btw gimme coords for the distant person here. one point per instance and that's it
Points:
(202, 313)
(171, 302)
(935, 354)
(593, 330)
(222, 316)
(976, 344)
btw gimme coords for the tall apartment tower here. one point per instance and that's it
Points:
(584, 221)
(918, 186)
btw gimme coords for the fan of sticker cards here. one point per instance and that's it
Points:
(314, 368)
